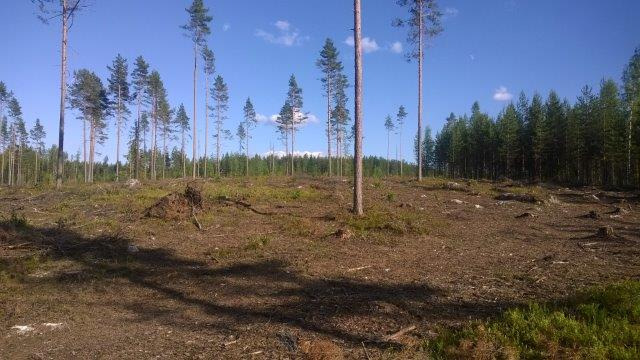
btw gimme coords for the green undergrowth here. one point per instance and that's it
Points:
(601, 323)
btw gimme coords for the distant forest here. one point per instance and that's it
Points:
(593, 141)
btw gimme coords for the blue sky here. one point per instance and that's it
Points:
(489, 50)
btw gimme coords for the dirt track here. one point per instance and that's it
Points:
(281, 263)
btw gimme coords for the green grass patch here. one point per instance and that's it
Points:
(258, 242)
(601, 323)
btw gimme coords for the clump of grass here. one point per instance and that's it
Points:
(391, 196)
(18, 221)
(18, 268)
(602, 323)
(258, 242)
(296, 226)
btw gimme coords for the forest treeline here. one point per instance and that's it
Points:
(593, 141)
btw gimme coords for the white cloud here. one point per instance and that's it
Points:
(285, 34)
(396, 47)
(502, 94)
(283, 25)
(226, 27)
(369, 45)
(281, 154)
(273, 119)
(451, 12)
(262, 118)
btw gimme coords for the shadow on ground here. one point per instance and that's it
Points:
(163, 286)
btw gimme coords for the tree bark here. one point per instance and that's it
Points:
(84, 150)
(329, 121)
(195, 74)
(218, 125)
(206, 123)
(118, 135)
(420, 58)
(357, 151)
(63, 75)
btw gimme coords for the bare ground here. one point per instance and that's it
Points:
(280, 269)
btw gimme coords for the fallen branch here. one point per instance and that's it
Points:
(358, 268)
(399, 333)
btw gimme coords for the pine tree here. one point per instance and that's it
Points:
(556, 127)
(631, 86)
(37, 135)
(294, 98)
(508, 130)
(388, 125)
(357, 152)
(250, 121)
(158, 95)
(538, 133)
(614, 133)
(66, 11)
(423, 23)
(89, 97)
(119, 92)
(5, 96)
(400, 118)
(208, 59)
(139, 81)
(17, 132)
(220, 94)
(4, 144)
(198, 29)
(284, 121)
(340, 120)
(182, 123)
(331, 68)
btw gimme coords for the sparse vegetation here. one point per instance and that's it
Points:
(602, 323)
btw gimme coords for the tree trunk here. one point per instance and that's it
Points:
(195, 74)
(154, 136)
(400, 147)
(388, 148)
(206, 123)
(420, 58)
(136, 167)
(84, 150)
(63, 88)
(118, 134)
(293, 137)
(357, 151)
(247, 151)
(35, 173)
(218, 125)
(184, 160)
(329, 122)
(629, 147)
